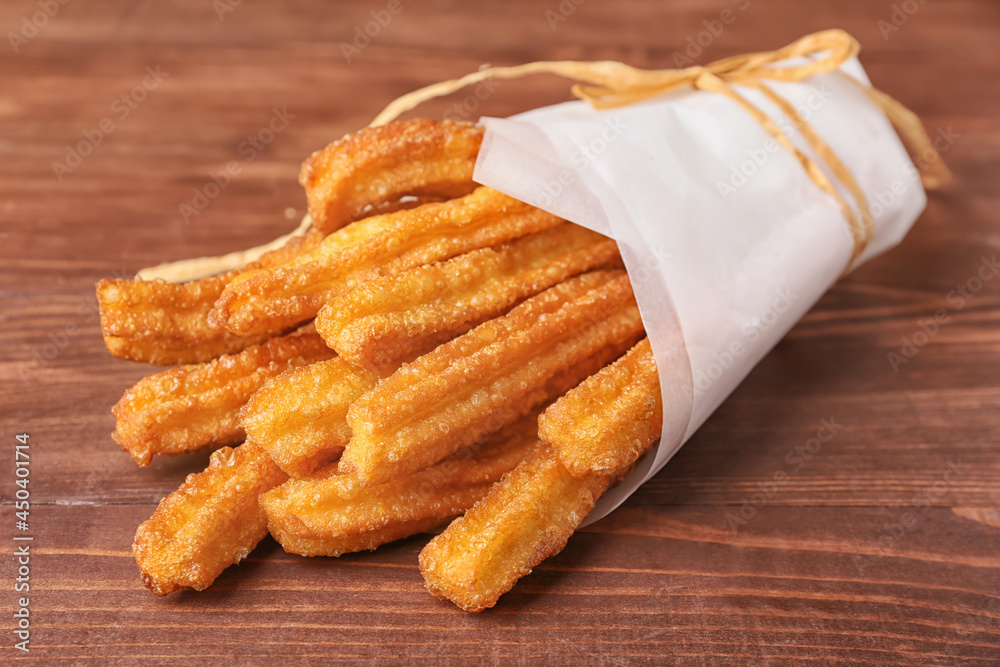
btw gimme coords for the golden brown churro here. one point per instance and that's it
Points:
(158, 322)
(210, 522)
(610, 419)
(263, 300)
(194, 407)
(329, 509)
(398, 318)
(300, 417)
(490, 376)
(377, 165)
(526, 517)
(370, 540)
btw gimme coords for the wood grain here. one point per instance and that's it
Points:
(707, 563)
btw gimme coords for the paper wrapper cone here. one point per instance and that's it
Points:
(726, 239)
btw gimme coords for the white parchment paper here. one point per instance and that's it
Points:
(726, 239)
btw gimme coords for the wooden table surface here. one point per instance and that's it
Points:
(881, 547)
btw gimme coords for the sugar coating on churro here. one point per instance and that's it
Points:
(525, 518)
(212, 521)
(381, 245)
(610, 419)
(360, 171)
(164, 323)
(327, 509)
(197, 406)
(300, 416)
(398, 318)
(490, 376)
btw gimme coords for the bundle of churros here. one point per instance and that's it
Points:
(431, 353)
(442, 351)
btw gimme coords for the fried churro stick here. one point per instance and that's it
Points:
(158, 322)
(610, 419)
(378, 164)
(526, 517)
(490, 376)
(210, 522)
(346, 544)
(159, 354)
(327, 509)
(381, 245)
(193, 407)
(400, 317)
(300, 417)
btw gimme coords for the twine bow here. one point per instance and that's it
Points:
(615, 84)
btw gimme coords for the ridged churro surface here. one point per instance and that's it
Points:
(267, 299)
(332, 507)
(300, 416)
(164, 323)
(293, 542)
(610, 419)
(490, 376)
(197, 406)
(376, 165)
(212, 521)
(398, 318)
(525, 518)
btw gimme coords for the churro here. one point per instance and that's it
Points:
(267, 299)
(211, 522)
(329, 508)
(524, 519)
(490, 376)
(398, 318)
(197, 406)
(300, 416)
(164, 323)
(365, 170)
(610, 419)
